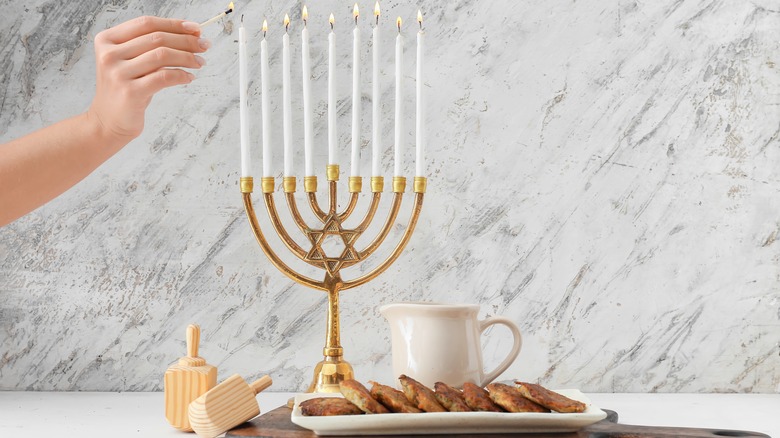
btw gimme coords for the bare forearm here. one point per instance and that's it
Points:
(134, 60)
(38, 167)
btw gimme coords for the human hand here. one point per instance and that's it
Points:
(135, 60)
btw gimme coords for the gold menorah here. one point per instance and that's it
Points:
(333, 368)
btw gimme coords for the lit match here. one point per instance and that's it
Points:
(222, 14)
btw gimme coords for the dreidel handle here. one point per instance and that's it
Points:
(193, 340)
(261, 384)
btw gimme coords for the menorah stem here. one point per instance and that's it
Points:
(333, 368)
(333, 333)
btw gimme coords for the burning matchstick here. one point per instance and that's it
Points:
(222, 14)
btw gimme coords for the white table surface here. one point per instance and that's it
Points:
(141, 414)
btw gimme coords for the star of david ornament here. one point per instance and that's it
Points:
(332, 227)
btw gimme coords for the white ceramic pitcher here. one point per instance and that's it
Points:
(435, 342)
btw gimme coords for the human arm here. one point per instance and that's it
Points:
(135, 60)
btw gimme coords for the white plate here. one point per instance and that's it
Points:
(448, 422)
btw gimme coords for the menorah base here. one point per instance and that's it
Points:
(329, 373)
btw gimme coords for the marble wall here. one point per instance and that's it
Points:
(602, 172)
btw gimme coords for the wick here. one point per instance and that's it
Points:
(242, 19)
(377, 19)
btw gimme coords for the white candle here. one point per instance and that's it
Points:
(288, 156)
(420, 128)
(355, 95)
(242, 102)
(399, 121)
(332, 115)
(266, 106)
(307, 109)
(376, 121)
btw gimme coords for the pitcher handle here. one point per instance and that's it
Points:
(484, 324)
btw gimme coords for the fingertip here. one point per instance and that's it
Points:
(191, 26)
(177, 76)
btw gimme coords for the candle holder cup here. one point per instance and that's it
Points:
(333, 368)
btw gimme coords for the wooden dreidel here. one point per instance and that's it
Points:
(187, 380)
(227, 405)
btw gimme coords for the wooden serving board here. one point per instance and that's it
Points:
(277, 424)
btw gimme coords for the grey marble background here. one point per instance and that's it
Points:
(605, 173)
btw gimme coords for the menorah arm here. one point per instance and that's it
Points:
(269, 252)
(353, 200)
(391, 216)
(362, 227)
(273, 214)
(332, 197)
(296, 214)
(315, 207)
(371, 212)
(418, 202)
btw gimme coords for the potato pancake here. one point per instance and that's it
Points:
(450, 398)
(509, 398)
(355, 392)
(549, 399)
(478, 399)
(420, 395)
(327, 406)
(393, 399)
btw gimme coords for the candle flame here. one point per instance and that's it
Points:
(398, 23)
(305, 14)
(265, 27)
(376, 9)
(286, 22)
(331, 20)
(229, 8)
(419, 18)
(355, 12)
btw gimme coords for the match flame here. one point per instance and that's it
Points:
(305, 14)
(286, 22)
(355, 12)
(229, 8)
(331, 20)
(265, 27)
(398, 23)
(419, 18)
